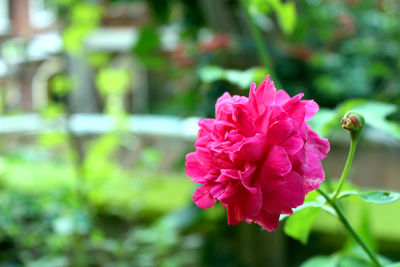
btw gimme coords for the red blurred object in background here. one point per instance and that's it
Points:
(180, 56)
(301, 52)
(219, 41)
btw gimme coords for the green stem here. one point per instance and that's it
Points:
(349, 227)
(256, 34)
(346, 169)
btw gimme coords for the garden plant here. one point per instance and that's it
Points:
(292, 108)
(259, 158)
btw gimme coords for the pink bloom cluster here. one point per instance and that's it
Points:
(258, 157)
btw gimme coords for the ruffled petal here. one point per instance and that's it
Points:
(279, 132)
(281, 97)
(253, 107)
(223, 106)
(293, 189)
(194, 169)
(204, 157)
(277, 162)
(308, 164)
(288, 195)
(296, 109)
(320, 144)
(263, 96)
(293, 144)
(244, 207)
(269, 221)
(206, 126)
(311, 109)
(250, 150)
(203, 198)
(244, 122)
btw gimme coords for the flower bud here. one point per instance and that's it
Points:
(353, 122)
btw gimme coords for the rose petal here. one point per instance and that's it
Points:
(265, 93)
(308, 164)
(206, 126)
(311, 109)
(217, 190)
(246, 206)
(263, 96)
(293, 144)
(252, 149)
(269, 221)
(244, 122)
(277, 162)
(203, 198)
(320, 144)
(293, 190)
(281, 97)
(194, 169)
(296, 109)
(279, 132)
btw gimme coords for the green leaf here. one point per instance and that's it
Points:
(209, 74)
(380, 197)
(329, 210)
(285, 12)
(287, 16)
(149, 40)
(242, 79)
(396, 264)
(298, 226)
(376, 197)
(148, 47)
(319, 202)
(347, 193)
(321, 261)
(341, 258)
(353, 262)
(364, 229)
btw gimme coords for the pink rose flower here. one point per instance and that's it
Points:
(258, 157)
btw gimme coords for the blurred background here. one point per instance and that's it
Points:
(99, 103)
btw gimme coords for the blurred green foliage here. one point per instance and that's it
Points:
(84, 18)
(148, 48)
(242, 79)
(285, 11)
(42, 220)
(60, 85)
(88, 204)
(299, 224)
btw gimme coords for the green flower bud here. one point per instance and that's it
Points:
(353, 122)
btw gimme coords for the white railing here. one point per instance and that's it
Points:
(87, 124)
